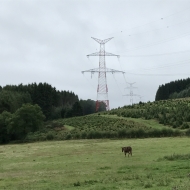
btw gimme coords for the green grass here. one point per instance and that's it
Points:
(69, 128)
(96, 165)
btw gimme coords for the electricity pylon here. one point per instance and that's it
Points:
(140, 97)
(102, 89)
(131, 92)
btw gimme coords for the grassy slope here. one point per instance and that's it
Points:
(95, 164)
(152, 123)
(69, 128)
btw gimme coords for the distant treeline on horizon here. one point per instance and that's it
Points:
(54, 104)
(173, 90)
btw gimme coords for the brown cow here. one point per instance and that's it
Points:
(126, 150)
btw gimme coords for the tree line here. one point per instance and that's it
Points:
(54, 103)
(24, 108)
(175, 89)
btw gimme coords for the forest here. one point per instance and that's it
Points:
(175, 89)
(24, 108)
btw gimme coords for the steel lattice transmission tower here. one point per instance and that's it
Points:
(131, 92)
(102, 89)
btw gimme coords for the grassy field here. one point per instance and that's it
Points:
(157, 163)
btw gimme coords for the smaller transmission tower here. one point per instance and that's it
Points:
(140, 97)
(131, 92)
(102, 89)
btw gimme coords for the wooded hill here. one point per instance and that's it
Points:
(173, 90)
(54, 103)
(153, 119)
(24, 108)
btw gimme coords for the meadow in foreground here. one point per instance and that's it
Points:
(157, 163)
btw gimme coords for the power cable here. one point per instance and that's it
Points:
(152, 55)
(117, 84)
(159, 42)
(164, 66)
(151, 22)
(157, 74)
(89, 82)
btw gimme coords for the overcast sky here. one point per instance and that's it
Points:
(48, 40)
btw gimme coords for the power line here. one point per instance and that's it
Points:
(151, 22)
(167, 65)
(153, 55)
(158, 42)
(153, 75)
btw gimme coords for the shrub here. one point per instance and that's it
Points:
(83, 135)
(68, 136)
(132, 133)
(36, 136)
(177, 132)
(140, 133)
(154, 133)
(185, 126)
(76, 184)
(50, 136)
(166, 132)
(188, 132)
(90, 135)
(122, 133)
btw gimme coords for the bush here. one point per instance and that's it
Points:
(154, 133)
(83, 135)
(177, 132)
(28, 118)
(77, 136)
(90, 135)
(36, 136)
(188, 132)
(185, 126)
(166, 132)
(140, 133)
(122, 133)
(68, 136)
(50, 136)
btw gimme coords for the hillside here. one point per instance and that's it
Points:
(152, 119)
(172, 112)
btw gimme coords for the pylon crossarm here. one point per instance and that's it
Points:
(113, 71)
(101, 41)
(97, 40)
(110, 54)
(97, 70)
(106, 40)
(102, 54)
(94, 54)
(131, 83)
(130, 87)
(131, 95)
